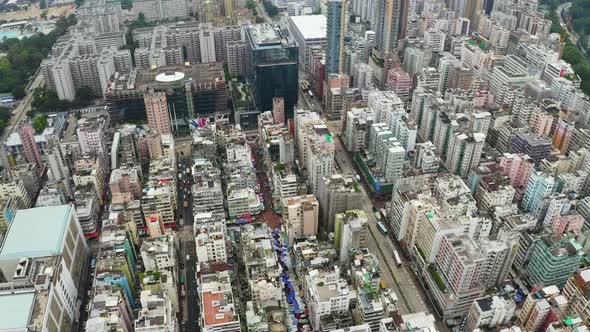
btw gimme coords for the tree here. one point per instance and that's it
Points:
(271, 9)
(126, 4)
(24, 56)
(43, 4)
(18, 92)
(44, 15)
(251, 4)
(85, 96)
(39, 123)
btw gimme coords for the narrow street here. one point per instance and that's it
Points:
(268, 216)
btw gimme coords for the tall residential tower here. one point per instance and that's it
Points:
(336, 28)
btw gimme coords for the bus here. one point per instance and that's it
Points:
(397, 259)
(382, 228)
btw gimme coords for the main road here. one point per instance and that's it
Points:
(412, 297)
(188, 259)
(561, 10)
(23, 107)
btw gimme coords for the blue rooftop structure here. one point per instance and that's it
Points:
(36, 232)
(15, 310)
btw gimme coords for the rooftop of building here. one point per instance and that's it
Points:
(218, 308)
(49, 224)
(156, 245)
(310, 254)
(466, 248)
(267, 36)
(209, 231)
(341, 183)
(420, 321)
(307, 199)
(91, 123)
(16, 310)
(167, 77)
(496, 182)
(533, 138)
(311, 26)
(119, 173)
(23, 301)
(217, 300)
(562, 246)
(153, 311)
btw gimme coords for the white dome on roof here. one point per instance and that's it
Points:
(167, 77)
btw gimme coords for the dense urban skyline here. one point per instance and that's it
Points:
(294, 165)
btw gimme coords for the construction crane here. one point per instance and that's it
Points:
(563, 36)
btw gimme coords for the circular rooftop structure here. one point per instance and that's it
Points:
(167, 77)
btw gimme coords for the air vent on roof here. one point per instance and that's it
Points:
(22, 268)
(219, 316)
(215, 303)
(41, 282)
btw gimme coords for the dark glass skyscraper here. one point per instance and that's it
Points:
(275, 60)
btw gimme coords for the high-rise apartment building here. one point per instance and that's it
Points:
(351, 231)
(392, 16)
(563, 135)
(335, 33)
(92, 134)
(553, 260)
(539, 186)
(387, 151)
(576, 292)
(237, 62)
(464, 152)
(399, 82)
(27, 137)
(156, 10)
(210, 241)
(156, 109)
(79, 62)
(489, 312)
(278, 110)
(535, 146)
(320, 163)
(518, 168)
(301, 214)
(326, 293)
(337, 194)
